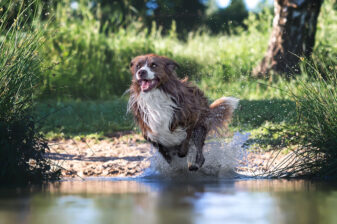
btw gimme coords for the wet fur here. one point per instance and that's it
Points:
(191, 115)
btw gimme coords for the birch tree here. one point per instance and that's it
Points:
(293, 36)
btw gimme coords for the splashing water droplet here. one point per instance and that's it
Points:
(221, 159)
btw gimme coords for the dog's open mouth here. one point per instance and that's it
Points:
(146, 85)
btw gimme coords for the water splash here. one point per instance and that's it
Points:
(221, 159)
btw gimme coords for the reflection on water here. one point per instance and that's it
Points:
(160, 201)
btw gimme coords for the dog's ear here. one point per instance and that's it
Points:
(131, 65)
(171, 65)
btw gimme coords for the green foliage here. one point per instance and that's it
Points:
(86, 63)
(114, 14)
(326, 44)
(21, 147)
(89, 64)
(224, 19)
(188, 14)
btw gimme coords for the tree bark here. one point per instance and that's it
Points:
(293, 36)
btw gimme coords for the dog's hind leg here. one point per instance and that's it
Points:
(195, 158)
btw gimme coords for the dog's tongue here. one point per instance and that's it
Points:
(145, 84)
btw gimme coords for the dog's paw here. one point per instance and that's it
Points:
(195, 159)
(197, 164)
(192, 167)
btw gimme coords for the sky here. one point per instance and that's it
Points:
(251, 4)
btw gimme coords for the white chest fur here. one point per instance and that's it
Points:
(158, 110)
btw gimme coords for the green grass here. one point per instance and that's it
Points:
(103, 118)
(83, 118)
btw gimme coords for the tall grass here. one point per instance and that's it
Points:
(21, 147)
(315, 133)
(317, 106)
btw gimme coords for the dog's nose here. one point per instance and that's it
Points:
(142, 74)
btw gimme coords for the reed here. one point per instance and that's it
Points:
(21, 146)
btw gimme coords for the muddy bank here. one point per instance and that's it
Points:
(123, 156)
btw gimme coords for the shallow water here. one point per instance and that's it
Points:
(153, 200)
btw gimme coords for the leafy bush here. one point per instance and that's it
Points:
(21, 147)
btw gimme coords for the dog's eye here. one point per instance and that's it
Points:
(153, 65)
(138, 66)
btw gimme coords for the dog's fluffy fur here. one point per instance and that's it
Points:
(173, 114)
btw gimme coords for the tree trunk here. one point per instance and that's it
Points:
(293, 36)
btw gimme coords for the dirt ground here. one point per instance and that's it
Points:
(122, 156)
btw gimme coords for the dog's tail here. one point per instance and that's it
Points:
(221, 112)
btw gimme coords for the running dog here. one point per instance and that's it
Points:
(173, 114)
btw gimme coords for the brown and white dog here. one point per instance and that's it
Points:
(173, 114)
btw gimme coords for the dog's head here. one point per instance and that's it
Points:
(150, 71)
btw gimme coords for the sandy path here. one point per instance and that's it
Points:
(119, 156)
(124, 156)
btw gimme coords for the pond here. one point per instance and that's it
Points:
(154, 200)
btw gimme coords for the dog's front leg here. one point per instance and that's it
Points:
(183, 150)
(195, 157)
(165, 153)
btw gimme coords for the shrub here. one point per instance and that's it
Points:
(21, 147)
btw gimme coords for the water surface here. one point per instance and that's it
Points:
(171, 201)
